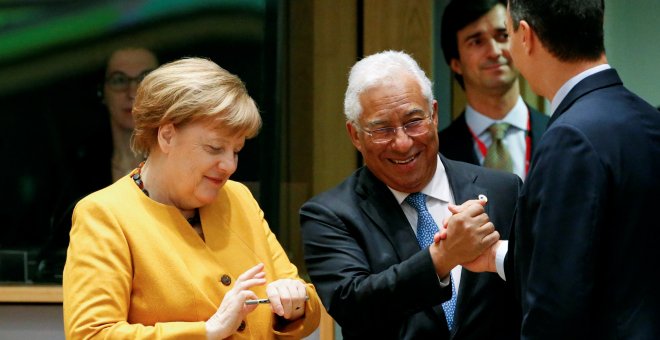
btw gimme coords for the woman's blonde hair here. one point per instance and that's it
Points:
(187, 90)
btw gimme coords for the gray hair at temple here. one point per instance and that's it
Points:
(377, 69)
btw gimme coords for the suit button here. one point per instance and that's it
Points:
(225, 279)
(241, 327)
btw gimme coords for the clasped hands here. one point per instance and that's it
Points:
(466, 238)
(287, 300)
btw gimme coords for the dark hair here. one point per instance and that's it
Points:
(101, 72)
(457, 15)
(571, 30)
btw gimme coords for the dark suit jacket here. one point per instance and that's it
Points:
(457, 143)
(584, 263)
(363, 258)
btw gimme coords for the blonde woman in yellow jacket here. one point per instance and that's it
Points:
(175, 249)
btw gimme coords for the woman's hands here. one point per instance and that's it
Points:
(287, 298)
(233, 309)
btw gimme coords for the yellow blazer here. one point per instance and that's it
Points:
(136, 269)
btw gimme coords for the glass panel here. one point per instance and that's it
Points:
(57, 143)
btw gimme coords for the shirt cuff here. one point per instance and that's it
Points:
(500, 254)
(446, 281)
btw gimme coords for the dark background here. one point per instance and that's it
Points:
(56, 141)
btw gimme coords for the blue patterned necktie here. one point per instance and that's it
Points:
(426, 228)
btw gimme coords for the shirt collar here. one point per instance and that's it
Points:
(437, 188)
(570, 84)
(478, 122)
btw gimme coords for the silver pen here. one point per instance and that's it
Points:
(262, 301)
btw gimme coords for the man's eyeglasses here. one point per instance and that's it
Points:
(385, 135)
(120, 81)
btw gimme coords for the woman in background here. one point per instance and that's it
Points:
(125, 70)
(174, 249)
(105, 151)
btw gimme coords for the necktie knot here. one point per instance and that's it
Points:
(417, 200)
(498, 157)
(426, 226)
(498, 130)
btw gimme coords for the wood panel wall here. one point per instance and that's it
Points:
(317, 151)
(400, 25)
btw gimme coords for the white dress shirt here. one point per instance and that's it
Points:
(514, 139)
(439, 196)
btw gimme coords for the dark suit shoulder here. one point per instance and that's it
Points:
(342, 194)
(481, 174)
(455, 141)
(343, 200)
(456, 128)
(536, 114)
(539, 119)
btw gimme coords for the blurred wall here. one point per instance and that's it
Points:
(631, 43)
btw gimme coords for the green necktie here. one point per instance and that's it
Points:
(498, 156)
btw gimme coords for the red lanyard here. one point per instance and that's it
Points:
(528, 142)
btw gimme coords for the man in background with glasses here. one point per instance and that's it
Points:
(371, 244)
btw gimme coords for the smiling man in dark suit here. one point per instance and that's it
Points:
(366, 241)
(475, 45)
(582, 257)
